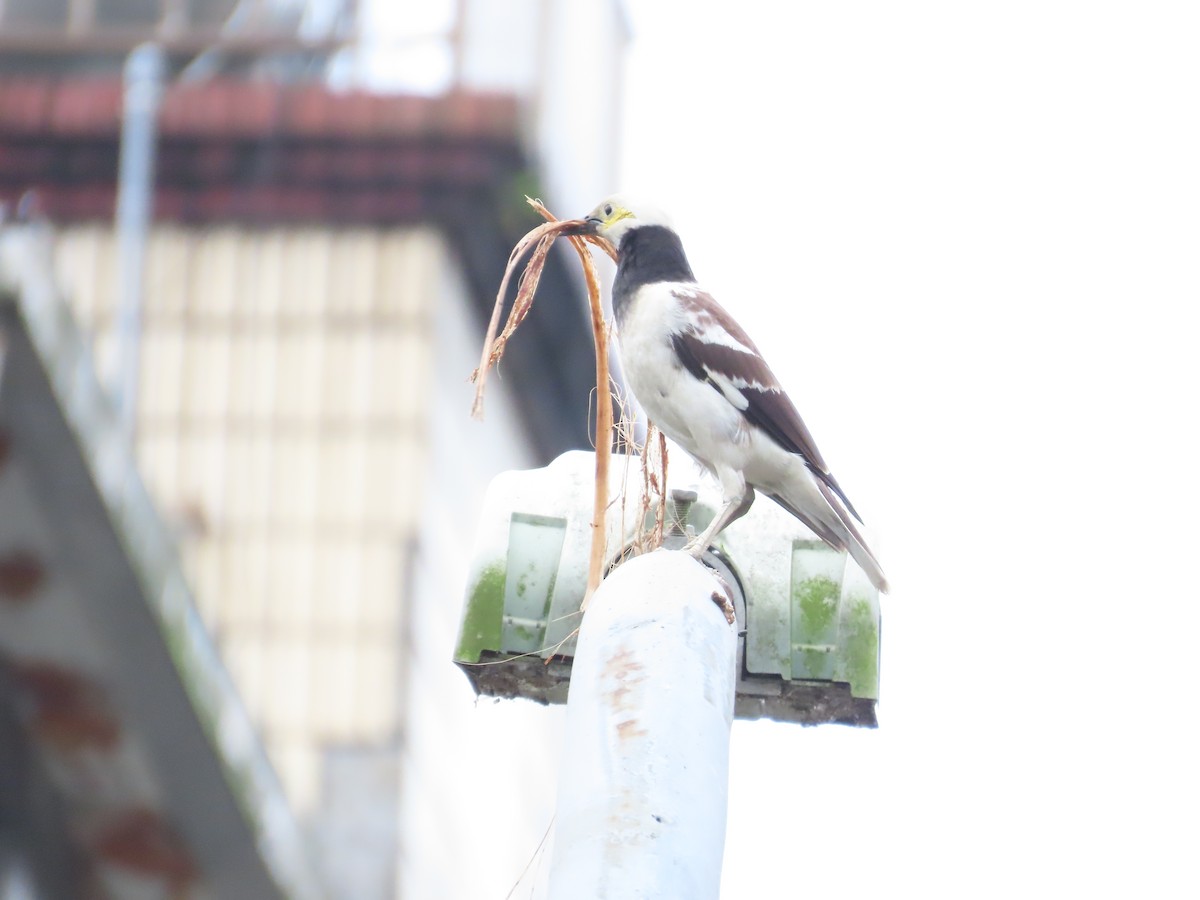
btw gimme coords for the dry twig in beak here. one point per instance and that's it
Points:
(541, 238)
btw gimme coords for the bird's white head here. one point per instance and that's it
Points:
(618, 215)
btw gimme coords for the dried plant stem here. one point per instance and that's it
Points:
(541, 239)
(604, 424)
(604, 412)
(656, 480)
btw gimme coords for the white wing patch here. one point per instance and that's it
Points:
(704, 324)
(729, 388)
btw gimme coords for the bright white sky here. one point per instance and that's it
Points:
(967, 237)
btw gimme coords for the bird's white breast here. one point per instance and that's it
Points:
(692, 412)
(688, 410)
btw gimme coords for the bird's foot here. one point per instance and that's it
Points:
(695, 548)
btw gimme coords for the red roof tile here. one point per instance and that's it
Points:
(229, 108)
(256, 150)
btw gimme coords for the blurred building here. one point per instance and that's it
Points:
(128, 765)
(318, 274)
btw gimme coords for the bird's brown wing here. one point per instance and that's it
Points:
(714, 348)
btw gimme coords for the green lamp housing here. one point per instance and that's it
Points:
(808, 617)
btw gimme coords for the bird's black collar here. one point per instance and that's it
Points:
(648, 255)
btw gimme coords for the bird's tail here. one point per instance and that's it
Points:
(832, 522)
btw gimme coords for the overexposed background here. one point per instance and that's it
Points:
(967, 237)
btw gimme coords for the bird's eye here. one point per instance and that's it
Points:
(608, 210)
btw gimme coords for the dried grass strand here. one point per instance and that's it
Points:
(541, 239)
(604, 411)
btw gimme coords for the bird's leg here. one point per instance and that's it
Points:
(747, 502)
(738, 496)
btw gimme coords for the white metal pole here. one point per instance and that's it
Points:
(643, 785)
(145, 70)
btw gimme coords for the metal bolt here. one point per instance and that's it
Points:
(681, 505)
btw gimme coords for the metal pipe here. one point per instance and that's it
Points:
(643, 786)
(145, 69)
